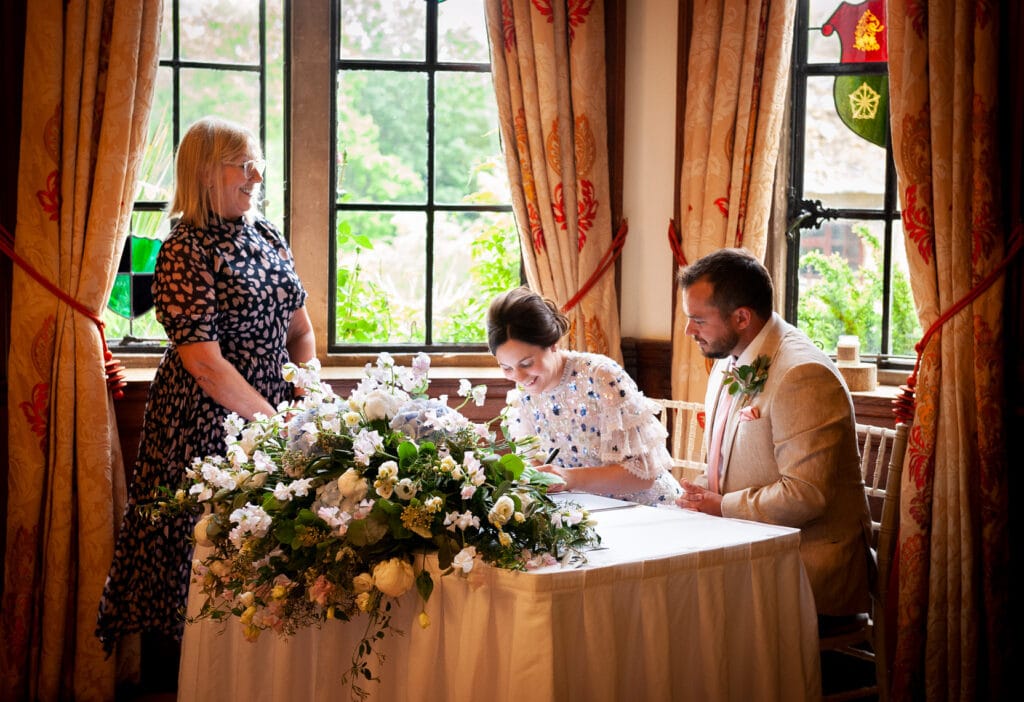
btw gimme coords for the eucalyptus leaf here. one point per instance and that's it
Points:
(424, 585)
(538, 477)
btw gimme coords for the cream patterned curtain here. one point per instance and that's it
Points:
(736, 82)
(953, 543)
(548, 64)
(89, 75)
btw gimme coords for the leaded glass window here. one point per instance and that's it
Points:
(847, 270)
(223, 58)
(424, 234)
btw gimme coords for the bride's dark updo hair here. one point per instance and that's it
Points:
(525, 316)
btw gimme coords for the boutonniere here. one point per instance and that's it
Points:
(747, 380)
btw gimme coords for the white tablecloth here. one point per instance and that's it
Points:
(676, 605)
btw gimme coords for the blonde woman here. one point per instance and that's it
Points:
(227, 295)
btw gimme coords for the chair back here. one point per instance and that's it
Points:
(684, 422)
(882, 452)
(884, 638)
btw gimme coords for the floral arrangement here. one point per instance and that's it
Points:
(748, 380)
(323, 511)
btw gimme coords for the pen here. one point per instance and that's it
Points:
(551, 456)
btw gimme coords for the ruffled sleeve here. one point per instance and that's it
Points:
(630, 432)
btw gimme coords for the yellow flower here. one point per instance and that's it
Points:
(279, 592)
(248, 614)
(417, 519)
(199, 533)
(394, 577)
(424, 620)
(363, 601)
(251, 632)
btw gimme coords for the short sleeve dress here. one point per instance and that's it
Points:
(233, 283)
(595, 416)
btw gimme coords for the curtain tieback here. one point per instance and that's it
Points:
(111, 366)
(675, 242)
(603, 265)
(903, 405)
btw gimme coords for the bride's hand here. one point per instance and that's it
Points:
(559, 471)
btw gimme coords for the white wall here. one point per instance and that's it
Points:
(649, 161)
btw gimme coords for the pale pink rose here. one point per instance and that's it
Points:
(749, 413)
(320, 590)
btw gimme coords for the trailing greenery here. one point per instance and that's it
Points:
(842, 301)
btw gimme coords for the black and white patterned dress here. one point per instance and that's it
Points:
(235, 284)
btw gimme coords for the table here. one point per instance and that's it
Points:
(675, 605)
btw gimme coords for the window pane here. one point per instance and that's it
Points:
(225, 31)
(167, 32)
(274, 111)
(394, 30)
(841, 32)
(382, 137)
(904, 326)
(468, 162)
(233, 95)
(841, 168)
(156, 172)
(129, 310)
(464, 285)
(840, 283)
(462, 32)
(381, 264)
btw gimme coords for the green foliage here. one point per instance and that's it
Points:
(844, 301)
(748, 380)
(362, 313)
(494, 269)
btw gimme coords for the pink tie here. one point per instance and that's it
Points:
(715, 452)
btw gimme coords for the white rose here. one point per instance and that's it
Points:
(394, 577)
(379, 405)
(362, 583)
(502, 511)
(352, 485)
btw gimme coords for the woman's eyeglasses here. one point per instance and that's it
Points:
(251, 168)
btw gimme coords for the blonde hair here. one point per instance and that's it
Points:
(207, 145)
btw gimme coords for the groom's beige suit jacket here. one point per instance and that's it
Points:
(797, 463)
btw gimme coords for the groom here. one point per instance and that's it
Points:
(783, 445)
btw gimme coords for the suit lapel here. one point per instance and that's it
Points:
(769, 347)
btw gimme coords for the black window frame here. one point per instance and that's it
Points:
(136, 345)
(803, 213)
(430, 65)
